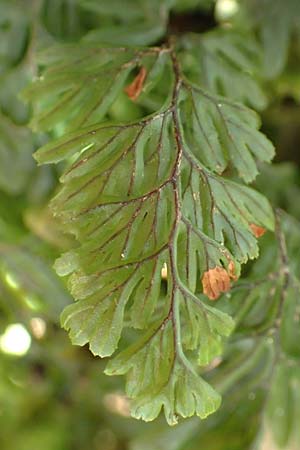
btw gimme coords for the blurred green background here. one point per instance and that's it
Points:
(54, 396)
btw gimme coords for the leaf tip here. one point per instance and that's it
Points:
(216, 281)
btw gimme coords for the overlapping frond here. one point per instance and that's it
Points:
(275, 21)
(226, 62)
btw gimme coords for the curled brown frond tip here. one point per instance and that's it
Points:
(217, 280)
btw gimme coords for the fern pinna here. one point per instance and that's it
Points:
(159, 207)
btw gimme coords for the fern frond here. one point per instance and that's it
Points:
(145, 199)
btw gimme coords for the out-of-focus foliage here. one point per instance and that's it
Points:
(228, 63)
(54, 395)
(277, 23)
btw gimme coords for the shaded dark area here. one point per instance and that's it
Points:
(282, 123)
(193, 21)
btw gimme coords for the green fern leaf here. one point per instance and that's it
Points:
(142, 22)
(82, 82)
(157, 378)
(275, 21)
(146, 202)
(226, 62)
(220, 132)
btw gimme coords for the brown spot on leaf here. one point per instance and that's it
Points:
(215, 281)
(134, 89)
(257, 230)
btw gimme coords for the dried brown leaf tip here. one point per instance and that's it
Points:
(215, 281)
(257, 230)
(134, 89)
